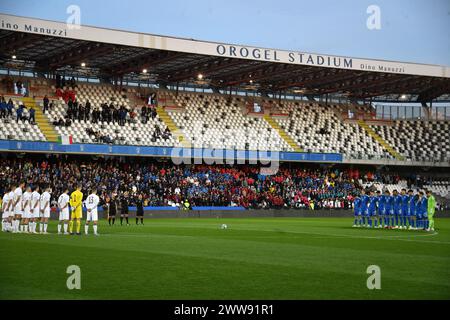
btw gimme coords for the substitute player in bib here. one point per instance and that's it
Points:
(91, 204)
(63, 205)
(76, 202)
(45, 210)
(35, 209)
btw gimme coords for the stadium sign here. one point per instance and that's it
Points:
(134, 39)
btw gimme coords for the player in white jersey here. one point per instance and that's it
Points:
(45, 210)
(35, 209)
(91, 204)
(63, 205)
(5, 211)
(11, 207)
(26, 204)
(18, 210)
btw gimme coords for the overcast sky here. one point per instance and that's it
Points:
(411, 30)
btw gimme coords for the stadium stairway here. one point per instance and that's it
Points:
(380, 140)
(282, 133)
(42, 121)
(176, 132)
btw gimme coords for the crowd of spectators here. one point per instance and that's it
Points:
(164, 184)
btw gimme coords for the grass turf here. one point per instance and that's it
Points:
(287, 258)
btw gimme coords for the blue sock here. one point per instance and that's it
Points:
(364, 220)
(376, 223)
(396, 220)
(356, 221)
(370, 222)
(392, 221)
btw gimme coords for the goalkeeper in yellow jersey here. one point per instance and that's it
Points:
(76, 203)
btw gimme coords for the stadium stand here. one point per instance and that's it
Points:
(217, 121)
(316, 128)
(11, 129)
(132, 132)
(419, 139)
(213, 121)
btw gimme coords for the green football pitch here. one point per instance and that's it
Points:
(258, 258)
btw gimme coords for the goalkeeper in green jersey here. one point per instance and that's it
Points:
(431, 209)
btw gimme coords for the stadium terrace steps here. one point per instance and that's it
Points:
(42, 121)
(282, 133)
(380, 140)
(176, 132)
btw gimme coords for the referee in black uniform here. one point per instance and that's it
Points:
(113, 208)
(124, 202)
(140, 210)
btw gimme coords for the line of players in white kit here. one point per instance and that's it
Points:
(24, 207)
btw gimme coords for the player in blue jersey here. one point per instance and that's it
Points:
(417, 211)
(380, 208)
(372, 210)
(357, 211)
(411, 210)
(388, 211)
(397, 208)
(404, 209)
(424, 211)
(364, 206)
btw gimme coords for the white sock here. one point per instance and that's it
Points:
(22, 227)
(34, 227)
(45, 227)
(86, 229)
(59, 228)
(41, 227)
(95, 229)
(3, 226)
(65, 227)
(25, 228)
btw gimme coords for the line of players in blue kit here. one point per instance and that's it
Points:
(396, 211)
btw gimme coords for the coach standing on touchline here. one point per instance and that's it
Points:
(431, 210)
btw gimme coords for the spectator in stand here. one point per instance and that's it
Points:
(19, 113)
(46, 104)
(3, 107)
(9, 108)
(32, 118)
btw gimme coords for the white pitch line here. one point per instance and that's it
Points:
(396, 237)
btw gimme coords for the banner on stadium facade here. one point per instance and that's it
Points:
(125, 38)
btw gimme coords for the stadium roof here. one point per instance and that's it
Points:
(118, 54)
